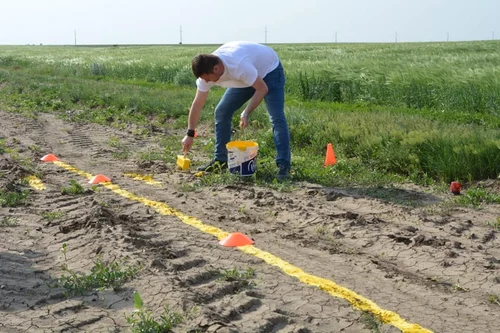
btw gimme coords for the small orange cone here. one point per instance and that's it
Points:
(236, 239)
(49, 158)
(330, 156)
(99, 179)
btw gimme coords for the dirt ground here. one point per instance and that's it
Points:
(434, 266)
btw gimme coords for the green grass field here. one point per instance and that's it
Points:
(421, 112)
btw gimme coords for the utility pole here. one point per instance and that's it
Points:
(493, 35)
(180, 33)
(396, 37)
(75, 36)
(335, 36)
(265, 34)
(447, 36)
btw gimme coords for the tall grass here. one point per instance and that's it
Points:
(444, 76)
(147, 64)
(101, 100)
(387, 143)
(421, 111)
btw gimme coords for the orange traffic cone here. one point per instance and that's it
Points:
(49, 158)
(236, 239)
(330, 156)
(99, 179)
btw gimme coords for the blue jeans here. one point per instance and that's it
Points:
(234, 98)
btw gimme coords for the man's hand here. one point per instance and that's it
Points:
(187, 143)
(244, 120)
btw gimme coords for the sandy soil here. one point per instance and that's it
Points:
(432, 265)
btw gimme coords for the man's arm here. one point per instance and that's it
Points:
(196, 107)
(260, 91)
(194, 116)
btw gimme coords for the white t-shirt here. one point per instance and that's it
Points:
(243, 62)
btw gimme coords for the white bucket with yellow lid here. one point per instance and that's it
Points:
(242, 157)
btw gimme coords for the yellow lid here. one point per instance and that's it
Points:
(242, 145)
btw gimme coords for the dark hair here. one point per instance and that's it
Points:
(204, 64)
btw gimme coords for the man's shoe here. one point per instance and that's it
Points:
(283, 172)
(214, 166)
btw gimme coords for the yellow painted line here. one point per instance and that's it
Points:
(145, 178)
(357, 301)
(72, 169)
(35, 183)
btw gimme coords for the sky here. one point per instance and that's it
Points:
(56, 22)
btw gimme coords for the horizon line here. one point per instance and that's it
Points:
(268, 43)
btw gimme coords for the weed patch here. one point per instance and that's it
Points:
(371, 322)
(102, 276)
(242, 277)
(142, 320)
(52, 216)
(494, 299)
(475, 197)
(494, 224)
(8, 221)
(13, 198)
(74, 188)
